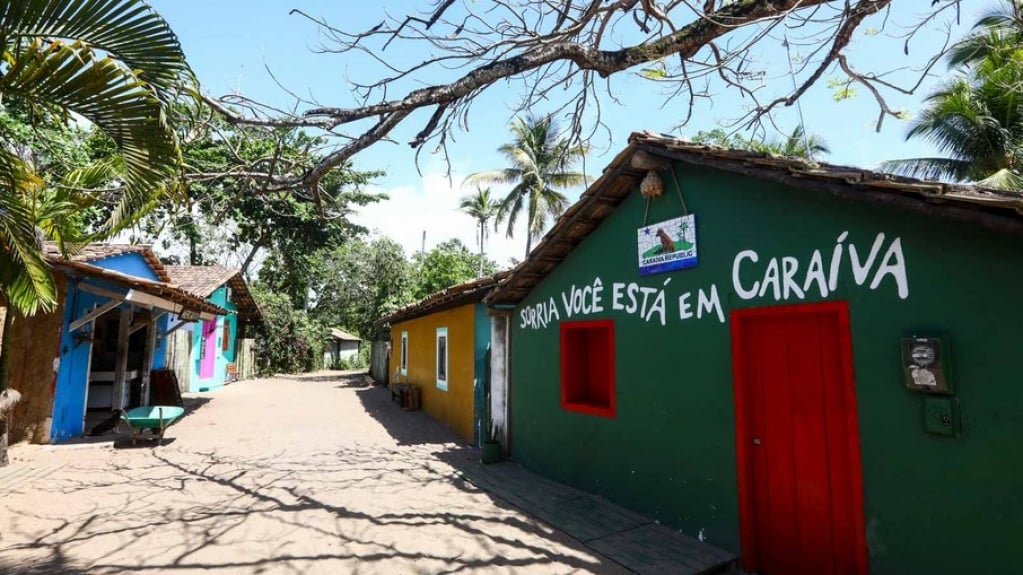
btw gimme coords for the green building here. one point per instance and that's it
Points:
(809, 365)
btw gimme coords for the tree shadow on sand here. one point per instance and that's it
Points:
(406, 427)
(260, 515)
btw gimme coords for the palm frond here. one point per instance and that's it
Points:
(942, 169)
(25, 279)
(1004, 179)
(501, 176)
(128, 29)
(75, 78)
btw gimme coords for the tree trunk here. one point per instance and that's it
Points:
(529, 236)
(5, 376)
(482, 232)
(193, 252)
(248, 258)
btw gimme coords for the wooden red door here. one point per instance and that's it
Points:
(797, 439)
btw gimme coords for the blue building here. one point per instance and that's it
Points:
(97, 349)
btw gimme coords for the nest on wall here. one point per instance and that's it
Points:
(652, 186)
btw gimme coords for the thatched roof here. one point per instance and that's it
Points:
(454, 296)
(204, 280)
(997, 210)
(99, 251)
(155, 288)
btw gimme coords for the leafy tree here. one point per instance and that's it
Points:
(798, 144)
(541, 161)
(114, 63)
(228, 204)
(448, 264)
(482, 206)
(289, 341)
(359, 282)
(976, 118)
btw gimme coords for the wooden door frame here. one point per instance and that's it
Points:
(747, 523)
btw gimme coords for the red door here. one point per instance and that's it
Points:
(797, 438)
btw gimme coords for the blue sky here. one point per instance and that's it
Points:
(231, 43)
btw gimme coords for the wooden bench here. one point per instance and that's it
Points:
(408, 395)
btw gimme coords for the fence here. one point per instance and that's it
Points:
(179, 352)
(379, 358)
(245, 358)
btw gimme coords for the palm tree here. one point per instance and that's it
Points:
(541, 161)
(115, 63)
(976, 118)
(799, 144)
(1000, 29)
(482, 207)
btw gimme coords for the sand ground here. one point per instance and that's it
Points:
(306, 474)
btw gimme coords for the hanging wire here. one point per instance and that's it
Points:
(799, 106)
(678, 188)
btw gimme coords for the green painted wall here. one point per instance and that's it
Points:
(932, 504)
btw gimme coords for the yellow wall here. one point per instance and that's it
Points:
(454, 406)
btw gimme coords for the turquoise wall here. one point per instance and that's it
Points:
(223, 357)
(932, 504)
(481, 387)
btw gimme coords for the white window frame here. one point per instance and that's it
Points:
(442, 384)
(403, 358)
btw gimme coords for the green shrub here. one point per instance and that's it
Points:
(287, 340)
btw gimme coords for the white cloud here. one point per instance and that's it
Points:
(432, 205)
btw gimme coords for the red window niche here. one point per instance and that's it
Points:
(588, 367)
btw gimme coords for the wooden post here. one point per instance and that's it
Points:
(147, 361)
(121, 366)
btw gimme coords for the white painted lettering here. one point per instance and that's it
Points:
(684, 307)
(772, 279)
(789, 267)
(658, 306)
(893, 264)
(709, 304)
(736, 284)
(631, 292)
(860, 271)
(598, 288)
(836, 261)
(815, 274)
(616, 296)
(552, 310)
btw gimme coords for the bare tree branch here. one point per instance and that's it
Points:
(558, 49)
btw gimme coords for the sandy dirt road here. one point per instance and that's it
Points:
(312, 474)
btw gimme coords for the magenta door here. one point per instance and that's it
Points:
(208, 361)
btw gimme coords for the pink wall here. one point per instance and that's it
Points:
(209, 342)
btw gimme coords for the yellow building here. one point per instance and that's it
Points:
(441, 344)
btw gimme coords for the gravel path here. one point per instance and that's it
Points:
(310, 474)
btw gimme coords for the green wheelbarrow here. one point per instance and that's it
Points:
(150, 421)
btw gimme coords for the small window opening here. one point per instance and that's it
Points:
(588, 367)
